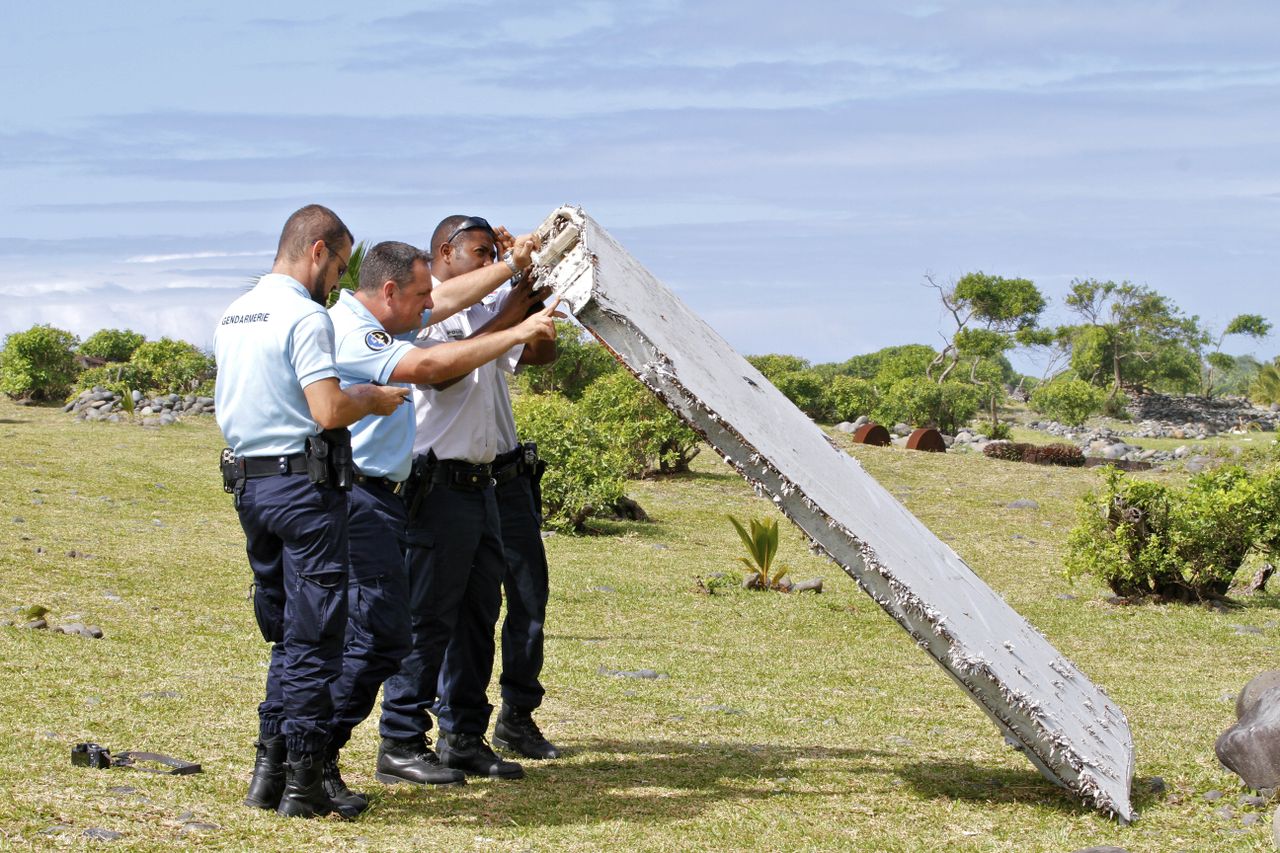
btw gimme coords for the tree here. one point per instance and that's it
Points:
(1266, 385)
(111, 344)
(991, 313)
(1133, 337)
(38, 364)
(1250, 325)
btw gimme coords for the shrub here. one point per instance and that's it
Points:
(846, 398)
(115, 376)
(581, 361)
(1185, 543)
(651, 437)
(38, 364)
(110, 345)
(1117, 406)
(922, 402)
(173, 367)
(806, 389)
(1070, 401)
(585, 469)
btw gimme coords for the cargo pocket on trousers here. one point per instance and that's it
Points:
(320, 606)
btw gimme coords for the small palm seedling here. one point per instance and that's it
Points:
(762, 545)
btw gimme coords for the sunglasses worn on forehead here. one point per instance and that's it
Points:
(470, 224)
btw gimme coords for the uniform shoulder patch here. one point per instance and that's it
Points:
(377, 339)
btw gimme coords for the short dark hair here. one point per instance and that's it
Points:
(390, 260)
(447, 230)
(306, 226)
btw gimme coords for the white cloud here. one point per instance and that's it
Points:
(187, 256)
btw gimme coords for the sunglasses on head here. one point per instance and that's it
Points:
(472, 223)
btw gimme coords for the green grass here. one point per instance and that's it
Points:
(785, 722)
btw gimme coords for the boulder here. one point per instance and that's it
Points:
(1251, 747)
(1260, 684)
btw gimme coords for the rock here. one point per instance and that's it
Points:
(1156, 785)
(1249, 820)
(80, 629)
(1212, 796)
(167, 419)
(36, 624)
(197, 826)
(1252, 800)
(1246, 629)
(901, 429)
(602, 589)
(1275, 829)
(136, 396)
(1107, 849)
(861, 420)
(1251, 747)
(723, 709)
(1225, 813)
(1023, 503)
(101, 834)
(1258, 685)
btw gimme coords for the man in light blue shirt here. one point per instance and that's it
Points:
(395, 290)
(277, 389)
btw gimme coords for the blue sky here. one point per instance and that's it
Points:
(791, 170)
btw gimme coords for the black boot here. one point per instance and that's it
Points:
(413, 761)
(516, 731)
(471, 754)
(267, 783)
(348, 803)
(304, 794)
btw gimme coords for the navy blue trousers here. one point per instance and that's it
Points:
(526, 589)
(378, 624)
(455, 566)
(296, 536)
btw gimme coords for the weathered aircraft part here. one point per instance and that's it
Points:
(1065, 724)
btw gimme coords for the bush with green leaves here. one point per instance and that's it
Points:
(172, 367)
(806, 389)
(1142, 537)
(581, 361)
(1070, 401)
(112, 345)
(652, 437)
(120, 377)
(922, 402)
(586, 468)
(846, 397)
(38, 364)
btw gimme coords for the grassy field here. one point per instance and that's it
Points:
(782, 722)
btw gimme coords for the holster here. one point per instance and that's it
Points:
(419, 484)
(329, 461)
(233, 475)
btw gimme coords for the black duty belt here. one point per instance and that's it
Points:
(396, 487)
(468, 476)
(269, 466)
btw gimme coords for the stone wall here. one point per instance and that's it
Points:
(99, 404)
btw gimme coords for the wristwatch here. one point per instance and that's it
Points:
(510, 261)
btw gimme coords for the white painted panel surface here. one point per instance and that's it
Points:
(1069, 729)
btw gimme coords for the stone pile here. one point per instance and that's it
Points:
(1200, 414)
(99, 404)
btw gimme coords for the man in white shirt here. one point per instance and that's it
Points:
(456, 558)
